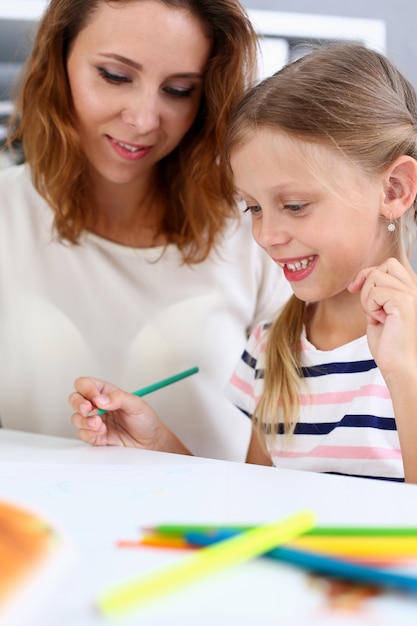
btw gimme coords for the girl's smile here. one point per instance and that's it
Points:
(320, 236)
(297, 269)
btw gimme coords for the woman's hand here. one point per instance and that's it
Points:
(129, 421)
(389, 299)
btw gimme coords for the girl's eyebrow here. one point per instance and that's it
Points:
(137, 66)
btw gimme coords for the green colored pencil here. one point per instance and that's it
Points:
(351, 531)
(158, 385)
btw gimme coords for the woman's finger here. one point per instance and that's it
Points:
(80, 404)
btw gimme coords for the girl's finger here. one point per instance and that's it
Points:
(359, 280)
(391, 272)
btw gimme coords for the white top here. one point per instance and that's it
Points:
(346, 423)
(130, 316)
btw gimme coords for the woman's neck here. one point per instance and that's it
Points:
(130, 215)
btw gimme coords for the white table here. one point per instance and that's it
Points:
(97, 496)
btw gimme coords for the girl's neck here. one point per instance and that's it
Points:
(339, 320)
(336, 322)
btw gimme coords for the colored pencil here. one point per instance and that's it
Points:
(349, 531)
(383, 550)
(355, 546)
(330, 566)
(162, 541)
(158, 385)
(232, 551)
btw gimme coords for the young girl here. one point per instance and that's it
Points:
(324, 154)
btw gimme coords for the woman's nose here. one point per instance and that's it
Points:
(142, 113)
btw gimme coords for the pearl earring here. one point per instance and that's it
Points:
(391, 226)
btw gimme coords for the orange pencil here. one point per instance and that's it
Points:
(155, 540)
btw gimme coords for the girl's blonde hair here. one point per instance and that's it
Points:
(354, 100)
(194, 181)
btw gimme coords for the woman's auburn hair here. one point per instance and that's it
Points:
(194, 180)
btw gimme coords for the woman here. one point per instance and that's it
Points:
(121, 254)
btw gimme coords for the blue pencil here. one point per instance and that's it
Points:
(320, 564)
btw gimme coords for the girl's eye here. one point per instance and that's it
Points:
(110, 77)
(294, 208)
(254, 209)
(179, 93)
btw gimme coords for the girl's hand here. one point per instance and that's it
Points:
(389, 299)
(129, 421)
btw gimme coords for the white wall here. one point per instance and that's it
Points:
(400, 17)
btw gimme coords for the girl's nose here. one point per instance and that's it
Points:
(270, 231)
(142, 113)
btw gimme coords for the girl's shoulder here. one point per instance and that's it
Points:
(258, 338)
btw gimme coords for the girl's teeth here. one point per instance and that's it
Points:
(299, 265)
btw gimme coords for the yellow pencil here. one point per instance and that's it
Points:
(208, 560)
(358, 546)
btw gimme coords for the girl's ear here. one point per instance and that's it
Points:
(400, 187)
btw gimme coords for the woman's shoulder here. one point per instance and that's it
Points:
(236, 244)
(14, 178)
(11, 173)
(22, 209)
(236, 228)
(16, 187)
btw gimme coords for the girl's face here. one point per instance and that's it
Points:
(315, 215)
(136, 78)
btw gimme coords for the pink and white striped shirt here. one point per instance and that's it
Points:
(346, 423)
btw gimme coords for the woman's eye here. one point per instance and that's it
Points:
(179, 93)
(110, 77)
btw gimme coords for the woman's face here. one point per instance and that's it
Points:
(136, 77)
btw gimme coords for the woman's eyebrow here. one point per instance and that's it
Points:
(137, 66)
(122, 59)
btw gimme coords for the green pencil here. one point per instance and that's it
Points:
(351, 531)
(158, 385)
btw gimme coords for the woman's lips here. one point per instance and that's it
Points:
(129, 151)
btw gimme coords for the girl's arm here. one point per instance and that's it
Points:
(389, 299)
(403, 392)
(129, 421)
(255, 452)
